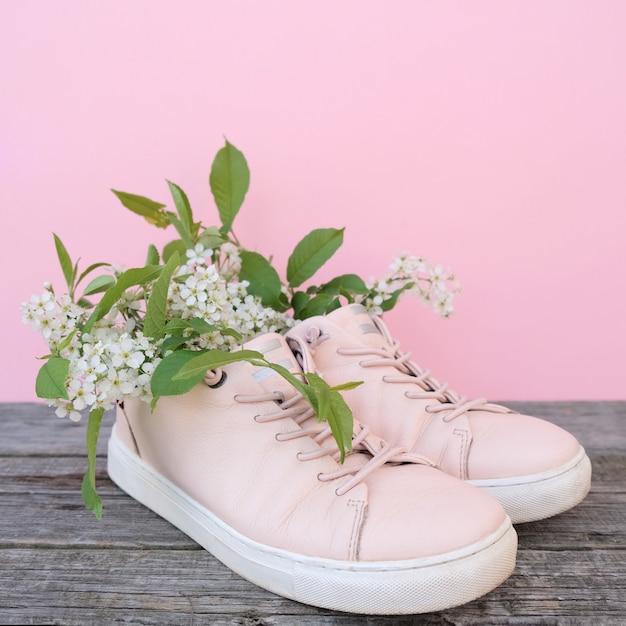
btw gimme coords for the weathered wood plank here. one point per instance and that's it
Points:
(187, 585)
(32, 428)
(58, 564)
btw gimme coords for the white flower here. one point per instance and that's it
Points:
(194, 291)
(442, 304)
(43, 303)
(230, 265)
(124, 353)
(65, 410)
(120, 383)
(82, 393)
(196, 255)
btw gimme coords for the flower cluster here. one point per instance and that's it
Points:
(156, 330)
(418, 277)
(213, 292)
(115, 360)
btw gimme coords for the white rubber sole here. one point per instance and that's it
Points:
(538, 496)
(383, 588)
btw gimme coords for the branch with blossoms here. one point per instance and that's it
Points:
(417, 277)
(155, 330)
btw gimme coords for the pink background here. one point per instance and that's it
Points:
(489, 136)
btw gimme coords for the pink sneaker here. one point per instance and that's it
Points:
(245, 468)
(534, 468)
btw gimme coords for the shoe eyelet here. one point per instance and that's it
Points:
(219, 383)
(427, 409)
(256, 418)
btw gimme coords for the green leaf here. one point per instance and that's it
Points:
(263, 278)
(311, 253)
(335, 411)
(301, 387)
(327, 403)
(177, 327)
(350, 283)
(173, 343)
(211, 238)
(183, 207)
(298, 302)
(388, 304)
(283, 302)
(51, 379)
(174, 246)
(90, 497)
(229, 181)
(154, 320)
(202, 328)
(210, 359)
(149, 209)
(318, 305)
(180, 229)
(347, 386)
(90, 269)
(162, 382)
(333, 305)
(195, 229)
(99, 284)
(84, 303)
(152, 258)
(66, 263)
(130, 278)
(347, 295)
(67, 341)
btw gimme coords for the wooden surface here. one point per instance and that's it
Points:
(60, 565)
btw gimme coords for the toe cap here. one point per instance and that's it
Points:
(417, 511)
(509, 445)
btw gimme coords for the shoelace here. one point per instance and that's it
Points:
(300, 411)
(430, 388)
(410, 372)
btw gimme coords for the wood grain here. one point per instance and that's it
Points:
(59, 565)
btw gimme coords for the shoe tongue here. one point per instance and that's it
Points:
(355, 320)
(275, 349)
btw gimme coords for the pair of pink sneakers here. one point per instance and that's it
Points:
(417, 519)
